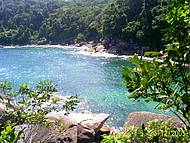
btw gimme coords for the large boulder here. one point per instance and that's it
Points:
(137, 119)
(81, 128)
(100, 48)
(41, 134)
(86, 119)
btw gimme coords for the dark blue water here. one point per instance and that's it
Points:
(94, 79)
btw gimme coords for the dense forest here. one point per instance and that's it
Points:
(65, 21)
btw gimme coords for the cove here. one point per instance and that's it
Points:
(94, 79)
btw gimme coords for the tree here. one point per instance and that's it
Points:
(167, 81)
(155, 132)
(58, 21)
(29, 106)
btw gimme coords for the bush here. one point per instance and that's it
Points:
(155, 131)
(31, 105)
(8, 134)
(166, 82)
(80, 37)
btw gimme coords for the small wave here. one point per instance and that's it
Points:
(2, 69)
(98, 54)
(45, 46)
(107, 55)
(79, 50)
(37, 46)
(10, 47)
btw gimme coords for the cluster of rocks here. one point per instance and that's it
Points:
(83, 127)
(107, 45)
(112, 46)
(92, 47)
(95, 48)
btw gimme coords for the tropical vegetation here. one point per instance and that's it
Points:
(63, 21)
(165, 81)
(157, 24)
(29, 106)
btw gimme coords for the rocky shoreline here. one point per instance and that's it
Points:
(107, 45)
(96, 49)
(81, 127)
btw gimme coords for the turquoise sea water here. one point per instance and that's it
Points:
(94, 79)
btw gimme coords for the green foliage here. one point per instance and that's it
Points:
(80, 37)
(8, 134)
(57, 21)
(20, 21)
(178, 19)
(31, 105)
(137, 21)
(152, 54)
(155, 131)
(166, 81)
(70, 104)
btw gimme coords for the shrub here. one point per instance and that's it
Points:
(31, 105)
(80, 37)
(155, 131)
(166, 82)
(8, 134)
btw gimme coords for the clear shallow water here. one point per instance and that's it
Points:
(94, 79)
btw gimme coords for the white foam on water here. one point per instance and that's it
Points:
(2, 69)
(104, 54)
(10, 47)
(39, 46)
(45, 46)
(79, 50)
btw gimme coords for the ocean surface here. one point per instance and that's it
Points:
(94, 79)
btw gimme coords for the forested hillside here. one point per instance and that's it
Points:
(59, 22)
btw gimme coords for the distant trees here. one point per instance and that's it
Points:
(20, 21)
(33, 22)
(137, 21)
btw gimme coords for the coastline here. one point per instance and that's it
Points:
(83, 50)
(42, 46)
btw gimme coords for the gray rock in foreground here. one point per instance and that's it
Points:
(3, 109)
(41, 134)
(82, 128)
